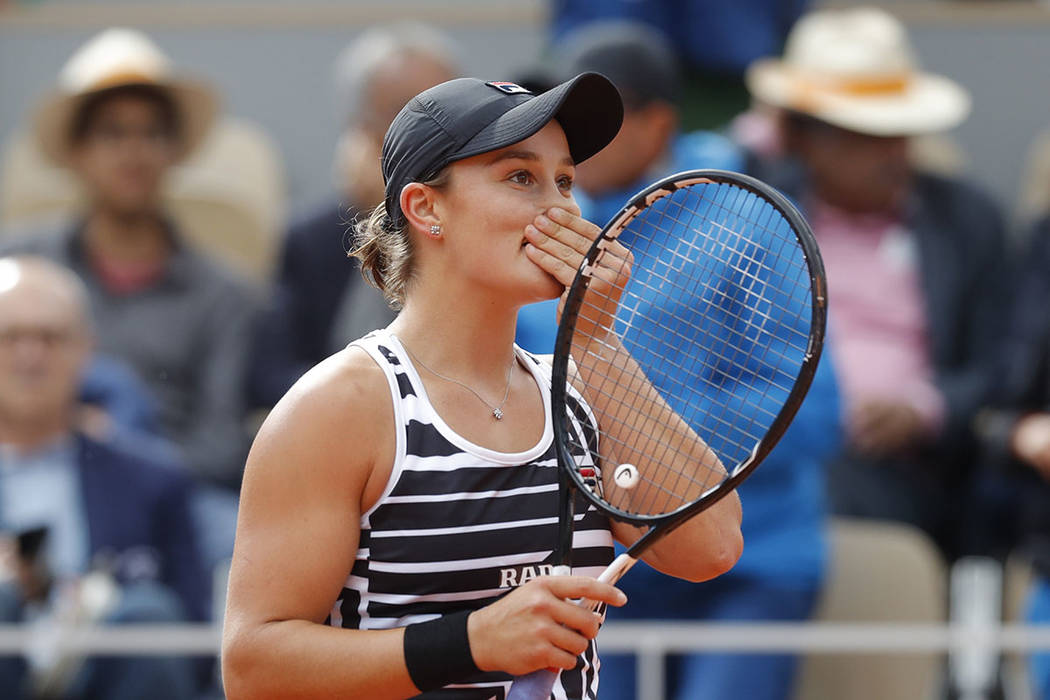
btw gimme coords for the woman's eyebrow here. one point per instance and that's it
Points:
(514, 155)
(524, 155)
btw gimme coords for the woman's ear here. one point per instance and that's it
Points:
(418, 205)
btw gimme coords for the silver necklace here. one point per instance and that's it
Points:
(497, 411)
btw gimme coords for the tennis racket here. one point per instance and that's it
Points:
(696, 361)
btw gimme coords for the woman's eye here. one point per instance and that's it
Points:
(521, 177)
(565, 183)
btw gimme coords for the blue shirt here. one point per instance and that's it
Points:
(42, 489)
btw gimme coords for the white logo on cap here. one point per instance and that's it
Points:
(509, 88)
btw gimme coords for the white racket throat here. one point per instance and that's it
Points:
(620, 566)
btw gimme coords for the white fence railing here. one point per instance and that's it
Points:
(616, 637)
(650, 641)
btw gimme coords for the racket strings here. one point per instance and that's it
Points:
(668, 225)
(716, 318)
(700, 277)
(707, 259)
(727, 363)
(685, 487)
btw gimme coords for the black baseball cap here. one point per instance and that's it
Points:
(468, 116)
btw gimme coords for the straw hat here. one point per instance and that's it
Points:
(854, 68)
(116, 58)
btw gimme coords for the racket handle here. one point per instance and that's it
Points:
(539, 684)
(533, 686)
(615, 571)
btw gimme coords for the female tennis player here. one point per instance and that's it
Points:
(400, 503)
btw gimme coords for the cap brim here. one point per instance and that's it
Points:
(588, 108)
(196, 103)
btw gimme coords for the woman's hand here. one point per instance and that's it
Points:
(559, 240)
(535, 626)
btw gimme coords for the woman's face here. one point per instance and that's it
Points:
(489, 201)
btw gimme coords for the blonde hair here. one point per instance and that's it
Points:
(385, 251)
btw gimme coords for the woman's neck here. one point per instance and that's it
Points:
(459, 335)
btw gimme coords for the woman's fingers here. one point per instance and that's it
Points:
(558, 241)
(551, 264)
(552, 245)
(568, 642)
(569, 237)
(585, 587)
(536, 626)
(568, 228)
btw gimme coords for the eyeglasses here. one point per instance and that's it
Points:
(47, 337)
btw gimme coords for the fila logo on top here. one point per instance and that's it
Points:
(509, 88)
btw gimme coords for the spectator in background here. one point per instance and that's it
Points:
(914, 261)
(321, 301)
(119, 121)
(782, 568)
(715, 40)
(1012, 495)
(105, 532)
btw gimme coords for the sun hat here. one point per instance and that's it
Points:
(467, 117)
(854, 68)
(119, 58)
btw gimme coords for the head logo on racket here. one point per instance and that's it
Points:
(626, 476)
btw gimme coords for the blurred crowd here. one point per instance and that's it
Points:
(139, 348)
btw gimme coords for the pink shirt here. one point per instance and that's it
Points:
(876, 311)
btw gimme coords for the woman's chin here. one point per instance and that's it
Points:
(542, 286)
(547, 288)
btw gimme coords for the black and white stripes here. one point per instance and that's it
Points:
(459, 525)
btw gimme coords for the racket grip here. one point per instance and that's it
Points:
(533, 686)
(538, 684)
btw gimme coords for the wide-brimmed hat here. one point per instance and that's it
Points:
(854, 68)
(118, 58)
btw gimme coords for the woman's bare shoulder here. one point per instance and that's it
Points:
(335, 411)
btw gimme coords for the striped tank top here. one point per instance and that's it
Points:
(459, 525)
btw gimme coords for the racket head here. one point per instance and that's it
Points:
(791, 289)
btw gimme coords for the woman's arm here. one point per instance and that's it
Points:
(297, 536)
(638, 426)
(322, 457)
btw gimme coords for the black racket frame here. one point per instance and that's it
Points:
(663, 524)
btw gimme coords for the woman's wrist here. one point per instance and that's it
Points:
(437, 652)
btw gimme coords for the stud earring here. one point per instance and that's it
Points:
(435, 231)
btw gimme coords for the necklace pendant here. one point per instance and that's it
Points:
(497, 413)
